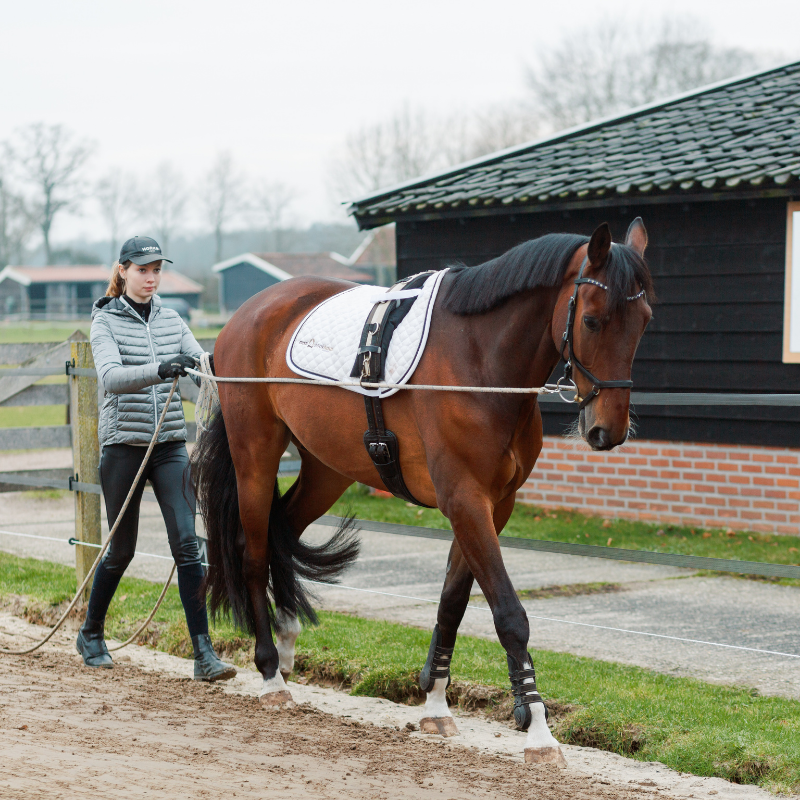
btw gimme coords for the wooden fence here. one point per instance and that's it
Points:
(79, 395)
(24, 390)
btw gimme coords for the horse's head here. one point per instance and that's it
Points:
(600, 317)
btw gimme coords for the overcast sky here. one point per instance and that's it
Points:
(280, 84)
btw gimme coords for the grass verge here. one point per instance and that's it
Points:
(43, 331)
(531, 522)
(728, 732)
(40, 416)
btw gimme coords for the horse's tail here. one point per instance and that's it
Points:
(214, 479)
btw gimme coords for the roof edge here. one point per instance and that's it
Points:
(10, 272)
(254, 261)
(560, 135)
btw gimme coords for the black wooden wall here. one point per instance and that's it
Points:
(718, 323)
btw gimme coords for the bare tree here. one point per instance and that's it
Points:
(163, 204)
(16, 221)
(222, 197)
(115, 194)
(272, 201)
(404, 146)
(412, 143)
(605, 69)
(51, 160)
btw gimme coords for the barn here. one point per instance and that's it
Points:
(715, 174)
(247, 274)
(68, 292)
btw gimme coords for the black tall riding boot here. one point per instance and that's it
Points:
(208, 666)
(91, 644)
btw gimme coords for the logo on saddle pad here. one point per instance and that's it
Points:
(314, 343)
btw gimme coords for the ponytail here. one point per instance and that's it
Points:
(116, 284)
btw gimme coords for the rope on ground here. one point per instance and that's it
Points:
(111, 533)
(141, 628)
(565, 621)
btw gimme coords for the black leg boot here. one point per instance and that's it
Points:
(208, 666)
(91, 644)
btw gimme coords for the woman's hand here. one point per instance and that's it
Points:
(175, 366)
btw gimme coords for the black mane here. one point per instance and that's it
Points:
(541, 263)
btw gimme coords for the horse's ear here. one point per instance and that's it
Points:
(637, 236)
(599, 245)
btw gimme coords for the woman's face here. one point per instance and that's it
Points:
(141, 283)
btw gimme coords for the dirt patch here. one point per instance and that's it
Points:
(70, 732)
(565, 590)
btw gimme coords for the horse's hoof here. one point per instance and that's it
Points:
(443, 726)
(274, 700)
(285, 675)
(545, 755)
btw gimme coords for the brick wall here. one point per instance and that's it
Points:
(746, 488)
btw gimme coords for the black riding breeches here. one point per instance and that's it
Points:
(168, 472)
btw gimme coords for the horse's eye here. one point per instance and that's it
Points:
(592, 323)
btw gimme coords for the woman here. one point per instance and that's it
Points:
(139, 347)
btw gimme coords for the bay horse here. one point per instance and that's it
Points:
(503, 323)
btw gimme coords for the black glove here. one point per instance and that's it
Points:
(175, 366)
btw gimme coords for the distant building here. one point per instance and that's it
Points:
(51, 292)
(377, 255)
(244, 275)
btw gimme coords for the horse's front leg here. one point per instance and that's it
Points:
(471, 516)
(435, 676)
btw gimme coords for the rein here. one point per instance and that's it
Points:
(571, 360)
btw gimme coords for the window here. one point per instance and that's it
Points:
(791, 319)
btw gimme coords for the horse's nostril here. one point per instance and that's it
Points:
(598, 438)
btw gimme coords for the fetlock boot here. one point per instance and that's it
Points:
(208, 666)
(91, 644)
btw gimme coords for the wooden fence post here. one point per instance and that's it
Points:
(85, 460)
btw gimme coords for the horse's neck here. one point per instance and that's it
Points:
(516, 341)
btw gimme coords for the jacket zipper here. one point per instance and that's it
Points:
(153, 352)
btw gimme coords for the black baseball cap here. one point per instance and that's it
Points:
(141, 250)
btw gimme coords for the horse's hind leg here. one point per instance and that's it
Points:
(316, 489)
(256, 450)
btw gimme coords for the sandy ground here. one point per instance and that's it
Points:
(144, 730)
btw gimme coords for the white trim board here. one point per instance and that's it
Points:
(254, 261)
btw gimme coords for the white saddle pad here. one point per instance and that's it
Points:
(326, 342)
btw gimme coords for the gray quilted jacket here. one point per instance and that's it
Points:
(127, 351)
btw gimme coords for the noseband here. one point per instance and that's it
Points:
(567, 344)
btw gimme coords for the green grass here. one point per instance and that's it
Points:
(37, 416)
(22, 332)
(530, 522)
(728, 732)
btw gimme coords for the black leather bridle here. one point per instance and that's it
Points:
(572, 360)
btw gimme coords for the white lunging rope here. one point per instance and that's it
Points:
(208, 399)
(549, 388)
(111, 533)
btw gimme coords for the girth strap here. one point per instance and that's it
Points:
(382, 445)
